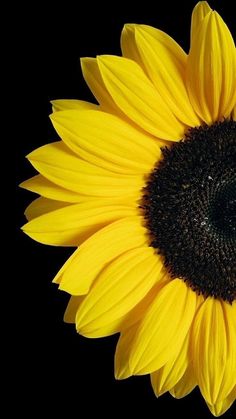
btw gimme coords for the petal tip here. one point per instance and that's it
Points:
(122, 375)
(129, 26)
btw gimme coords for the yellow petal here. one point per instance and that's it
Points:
(78, 273)
(118, 289)
(71, 225)
(234, 114)
(96, 84)
(185, 385)
(164, 327)
(213, 344)
(58, 164)
(168, 376)
(136, 315)
(107, 141)
(165, 64)
(211, 70)
(128, 45)
(201, 9)
(44, 187)
(68, 104)
(124, 344)
(222, 406)
(72, 307)
(130, 325)
(136, 96)
(106, 330)
(42, 206)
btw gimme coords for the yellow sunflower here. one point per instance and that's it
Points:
(144, 185)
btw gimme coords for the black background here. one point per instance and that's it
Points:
(57, 368)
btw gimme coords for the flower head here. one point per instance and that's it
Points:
(144, 185)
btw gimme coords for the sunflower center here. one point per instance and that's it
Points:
(223, 211)
(189, 206)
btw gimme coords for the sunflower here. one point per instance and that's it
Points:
(144, 185)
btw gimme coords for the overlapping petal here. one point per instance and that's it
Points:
(72, 308)
(130, 325)
(161, 334)
(119, 287)
(78, 273)
(42, 186)
(137, 97)
(72, 224)
(168, 376)
(60, 165)
(200, 11)
(185, 385)
(211, 70)
(107, 141)
(222, 406)
(42, 206)
(215, 327)
(93, 78)
(70, 104)
(164, 61)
